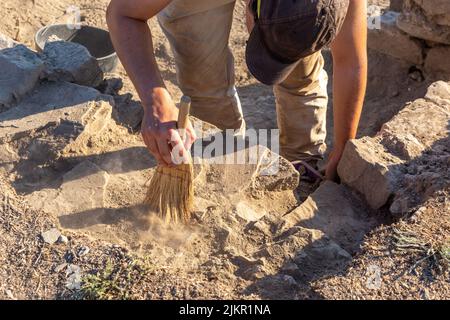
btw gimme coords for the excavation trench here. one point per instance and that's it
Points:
(74, 153)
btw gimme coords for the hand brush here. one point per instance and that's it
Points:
(170, 191)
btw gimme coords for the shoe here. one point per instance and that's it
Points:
(307, 171)
(310, 179)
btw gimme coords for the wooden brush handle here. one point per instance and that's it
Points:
(183, 115)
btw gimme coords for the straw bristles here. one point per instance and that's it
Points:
(171, 192)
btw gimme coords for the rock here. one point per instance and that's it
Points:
(9, 294)
(21, 69)
(72, 62)
(437, 60)
(396, 5)
(88, 182)
(247, 213)
(368, 168)
(408, 160)
(392, 41)
(404, 145)
(345, 224)
(414, 22)
(260, 171)
(51, 236)
(283, 178)
(290, 267)
(84, 250)
(128, 112)
(8, 158)
(60, 267)
(438, 10)
(73, 274)
(419, 125)
(310, 250)
(63, 239)
(111, 86)
(65, 115)
(6, 42)
(321, 257)
(439, 93)
(249, 268)
(289, 280)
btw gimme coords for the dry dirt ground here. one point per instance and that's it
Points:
(240, 245)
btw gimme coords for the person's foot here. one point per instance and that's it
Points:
(308, 170)
(310, 178)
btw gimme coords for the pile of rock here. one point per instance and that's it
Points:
(23, 69)
(408, 160)
(416, 31)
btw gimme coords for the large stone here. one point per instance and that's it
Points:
(72, 62)
(87, 181)
(392, 41)
(302, 253)
(437, 10)
(438, 60)
(333, 210)
(70, 115)
(367, 167)
(419, 125)
(414, 21)
(407, 160)
(20, 71)
(439, 93)
(253, 169)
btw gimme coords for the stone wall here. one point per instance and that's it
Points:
(416, 31)
(408, 160)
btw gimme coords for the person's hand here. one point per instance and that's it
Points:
(159, 129)
(332, 165)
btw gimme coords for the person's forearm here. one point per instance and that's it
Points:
(132, 41)
(350, 74)
(349, 87)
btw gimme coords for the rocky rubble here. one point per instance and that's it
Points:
(65, 155)
(68, 61)
(416, 31)
(63, 152)
(407, 161)
(21, 70)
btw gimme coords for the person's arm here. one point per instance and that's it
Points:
(349, 52)
(132, 39)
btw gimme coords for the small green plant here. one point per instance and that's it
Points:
(432, 257)
(115, 281)
(445, 252)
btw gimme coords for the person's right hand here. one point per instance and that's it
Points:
(159, 129)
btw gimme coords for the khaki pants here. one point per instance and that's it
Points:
(198, 32)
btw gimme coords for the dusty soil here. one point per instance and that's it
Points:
(229, 251)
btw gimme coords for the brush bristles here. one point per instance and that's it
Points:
(171, 192)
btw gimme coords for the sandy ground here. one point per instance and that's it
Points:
(220, 256)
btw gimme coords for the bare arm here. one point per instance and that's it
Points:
(349, 80)
(132, 39)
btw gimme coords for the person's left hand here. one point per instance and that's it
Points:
(332, 165)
